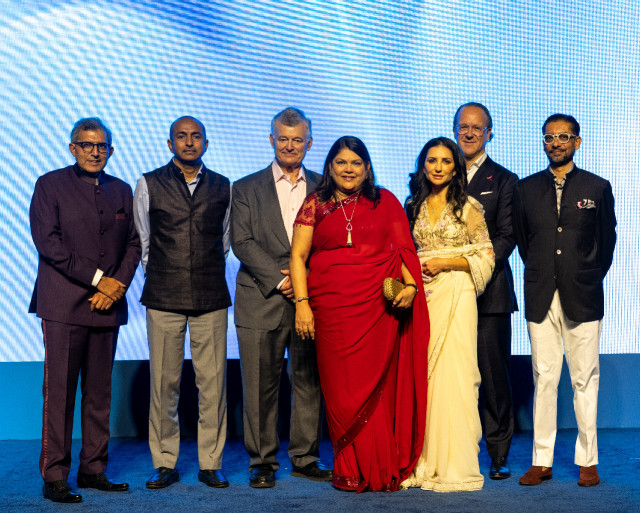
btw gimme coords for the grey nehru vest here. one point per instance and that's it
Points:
(186, 265)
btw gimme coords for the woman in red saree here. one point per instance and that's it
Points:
(372, 355)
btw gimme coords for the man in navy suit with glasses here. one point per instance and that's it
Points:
(492, 185)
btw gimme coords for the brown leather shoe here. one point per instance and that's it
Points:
(588, 476)
(535, 475)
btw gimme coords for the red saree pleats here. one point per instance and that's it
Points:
(372, 358)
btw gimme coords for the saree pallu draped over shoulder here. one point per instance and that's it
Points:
(372, 358)
(449, 459)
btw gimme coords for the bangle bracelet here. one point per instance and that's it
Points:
(411, 285)
(305, 298)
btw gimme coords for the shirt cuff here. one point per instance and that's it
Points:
(279, 286)
(97, 277)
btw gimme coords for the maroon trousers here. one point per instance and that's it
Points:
(72, 352)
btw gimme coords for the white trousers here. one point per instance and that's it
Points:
(580, 341)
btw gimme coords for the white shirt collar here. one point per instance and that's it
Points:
(475, 165)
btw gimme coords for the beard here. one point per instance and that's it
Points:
(560, 159)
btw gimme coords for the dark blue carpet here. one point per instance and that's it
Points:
(619, 490)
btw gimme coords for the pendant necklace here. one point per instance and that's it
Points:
(348, 220)
(433, 209)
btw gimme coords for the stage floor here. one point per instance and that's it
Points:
(130, 461)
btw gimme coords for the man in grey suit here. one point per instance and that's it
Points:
(264, 207)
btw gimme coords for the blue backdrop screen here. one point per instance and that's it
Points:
(391, 72)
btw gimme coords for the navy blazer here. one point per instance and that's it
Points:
(492, 185)
(570, 252)
(77, 228)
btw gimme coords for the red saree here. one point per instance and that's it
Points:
(372, 359)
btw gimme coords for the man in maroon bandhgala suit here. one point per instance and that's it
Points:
(88, 248)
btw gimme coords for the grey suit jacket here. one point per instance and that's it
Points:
(259, 240)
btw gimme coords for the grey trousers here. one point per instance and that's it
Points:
(261, 357)
(208, 338)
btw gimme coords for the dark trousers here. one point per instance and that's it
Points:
(494, 354)
(73, 351)
(261, 356)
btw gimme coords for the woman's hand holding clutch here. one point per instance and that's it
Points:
(304, 320)
(405, 297)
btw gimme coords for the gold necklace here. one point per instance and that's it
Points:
(348, 219)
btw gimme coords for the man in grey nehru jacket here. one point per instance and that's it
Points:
(182, 215)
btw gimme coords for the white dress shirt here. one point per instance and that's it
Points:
(475, 165)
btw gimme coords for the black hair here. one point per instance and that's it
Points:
(327, 187)
(575, 126)
(420, 186)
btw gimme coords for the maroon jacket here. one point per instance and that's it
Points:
(77, 228)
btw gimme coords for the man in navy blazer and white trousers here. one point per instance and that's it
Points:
(89, 249)
(565, 227)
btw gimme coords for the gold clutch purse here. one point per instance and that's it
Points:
(391, 288)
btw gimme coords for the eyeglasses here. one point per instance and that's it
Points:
(88, 147)
(474, 129)
(562, 138)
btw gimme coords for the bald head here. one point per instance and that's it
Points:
(184, 118)
(187, 141)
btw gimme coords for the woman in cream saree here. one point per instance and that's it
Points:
(457, 260)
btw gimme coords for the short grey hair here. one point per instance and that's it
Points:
(89, 124)
(291, 117)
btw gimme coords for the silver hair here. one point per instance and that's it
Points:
(89, 124)
(291, 117)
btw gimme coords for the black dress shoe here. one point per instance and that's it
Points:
(262, 476)
(213, 478)
(315, 471)
(100, 482)
(499, 468)
(163, 477)
(60, 491)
